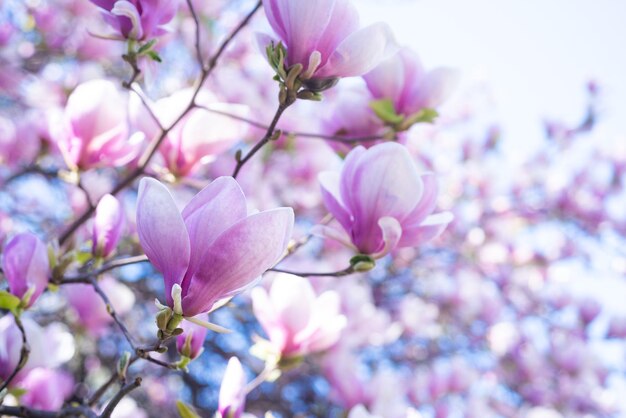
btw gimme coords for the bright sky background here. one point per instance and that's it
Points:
(536, 55)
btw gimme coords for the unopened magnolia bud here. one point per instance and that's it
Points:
(163, 318)
(122, 365)
(362, 263)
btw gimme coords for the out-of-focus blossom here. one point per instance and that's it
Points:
(617, 327)
(360, 411)
(46, 389)
(199, 137)
(92, 131)
(26, 266)
(588, 310)
(324, 37)
(49, 347)
(91, 311)
(108, 226)
(232, 399)
(128, 408)
(190, 342)
(18, 141)
(138, 19)
(381, 200)
(297, 321)
(213, 250)
(403, 80)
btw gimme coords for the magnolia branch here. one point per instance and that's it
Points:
(333, 138)
(24, 353)
(269, 135)
(154, 146)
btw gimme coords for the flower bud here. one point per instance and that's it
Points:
(232, 398)
(108, 225)
(189, 343)
(26, 267)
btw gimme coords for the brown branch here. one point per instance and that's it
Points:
(268, 136)
(125, 390)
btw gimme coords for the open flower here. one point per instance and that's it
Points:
(199, 137)
(138, 19)
(324, 37)
(297, 321)
(381, 200)
(213, 250)
(26, 266)
(92, 131)
(403, 80)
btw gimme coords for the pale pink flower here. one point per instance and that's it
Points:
(381, 200)
(297, 321)
(108, 226)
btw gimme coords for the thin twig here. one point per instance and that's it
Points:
(125, 390)
(268, 136)
(194, 15)
(333, 138)
(120, 262)
(112, 312)
(24, 353)
(340, 273)
(68, 411)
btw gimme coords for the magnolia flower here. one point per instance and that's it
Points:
(199, 137)
(324, 37)
(297, 321)
(381, 201)
(214, 249)
(46, 389)
(402, 79)
(138, 19)
(92, 131)
(232, 400)
(26, 266)
(190, 342)
(108, 225)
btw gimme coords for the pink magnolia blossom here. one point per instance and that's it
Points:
(138, 19)
(108, 226)
(46, 389)
(214, 249)
(92, 131)
(297, 321)
(381, 200)
(199, 137)
(232, 399)
(190, 342)
(26, 266)
(324, 36)
(91, 311)
(402, 79)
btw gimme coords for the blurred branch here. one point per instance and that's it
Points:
(120, 262)
(333, 138)
(24, 353)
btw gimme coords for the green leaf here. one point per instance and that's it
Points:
(385, 111)
(146, 47)
(425, 115)
(154, 56)
(8, 301)
(186, 411)
(83, 257)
